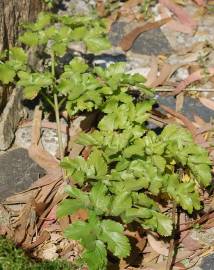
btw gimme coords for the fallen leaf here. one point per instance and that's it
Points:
(180, 13)
(207, 102)
(45, 235)
(100, 6)
(189, 243)
(165, 73)
(179, 102)
(152, 76)
(195, 76)
(200, 2)
(128, 40)
(157, 245)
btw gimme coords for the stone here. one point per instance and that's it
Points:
(208, 263)
(17, 172)
(10, 118)
(49, 139)
(191, 107)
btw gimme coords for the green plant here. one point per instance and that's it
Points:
(52, 34)
(129, 170)
(13, 258)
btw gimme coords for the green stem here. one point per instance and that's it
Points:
(48, 100)
(56, 108)
(172, 240)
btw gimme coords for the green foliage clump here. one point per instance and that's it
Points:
(13, 258)
(129, 168)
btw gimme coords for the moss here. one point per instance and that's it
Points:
(13, 258)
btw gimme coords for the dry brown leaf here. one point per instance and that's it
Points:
(179, 102)
(26, 217)
(189, 243)
(39, 155)
(165, 73)
(207, 102)
(180, 13)
(150, 258)
(152, 76)
(81, 214)
(45, 235)
(200, 2)
(127, 41)
(44, 159)
(157, 245)
(195, 76)
(100, 6)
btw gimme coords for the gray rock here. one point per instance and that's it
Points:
(17, 172)
(151, 42)
(191, 106)
(10, 118)
(208, 263)
(49, 139)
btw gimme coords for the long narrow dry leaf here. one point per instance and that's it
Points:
(165, 73)
(45, 235)
(128, 40)
(152, 76)
(157, 245)
(180, 13)
(200, 2)
(195, 76)
(207, 102)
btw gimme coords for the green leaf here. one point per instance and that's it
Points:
(202, 173)
(43, 20)
(84, 232)
(29, 38)
(143, 200)
(87, 139)
(164, 224)
(112, 235)
(59, 48)
(136, 214)
(33, 82)
(96, 258)
(97, 161)
(7, 73)
(159, 162)
(120, 203)
(78, 33)
(68, 207)
(174, 132)
(18, 54)
(99, 199)
(96, 44)
(78, 65)
(76, 168)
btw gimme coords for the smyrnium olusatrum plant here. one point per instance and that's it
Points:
(130, 169)
(51, 34)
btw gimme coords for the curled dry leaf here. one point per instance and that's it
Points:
(200, 2)
(128, 40)
(180, 13)
(152, 76)
(207, 102)
(195, 76)
(157, 245)
(189, 243)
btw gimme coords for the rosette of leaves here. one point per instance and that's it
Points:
(126, 174)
